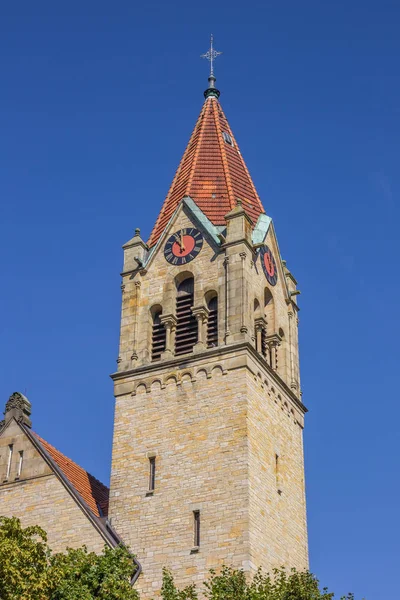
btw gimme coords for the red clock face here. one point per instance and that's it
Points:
(269, 265)
(183, 246)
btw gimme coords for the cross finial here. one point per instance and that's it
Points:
(211, 55)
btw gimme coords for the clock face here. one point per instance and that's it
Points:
(269, 265)
(183, 246)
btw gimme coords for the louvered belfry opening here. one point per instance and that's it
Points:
(186, 325)
(158, 337)
(212, 328)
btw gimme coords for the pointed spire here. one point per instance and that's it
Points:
(211, 55)
(212, 172)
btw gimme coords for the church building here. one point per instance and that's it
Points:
(207, 460)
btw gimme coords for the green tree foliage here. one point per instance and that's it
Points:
(24, 561)
(231, 584)
(30, 571)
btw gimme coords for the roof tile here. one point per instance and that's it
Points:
(212, 172)
(93, 492)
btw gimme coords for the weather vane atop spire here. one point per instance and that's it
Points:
(211, 55)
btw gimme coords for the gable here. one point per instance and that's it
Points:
(36, 478)
(16, 450)
(187, 215)
(272, 243)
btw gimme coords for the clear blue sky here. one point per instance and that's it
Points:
(97, 102)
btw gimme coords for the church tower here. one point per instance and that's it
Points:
(207, 464)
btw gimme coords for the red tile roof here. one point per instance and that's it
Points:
(93, 492)
(212, 172)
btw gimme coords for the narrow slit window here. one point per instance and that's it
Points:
(277, 473)
(20, 461)
(196, 528)
(152, 473)
(10, 453)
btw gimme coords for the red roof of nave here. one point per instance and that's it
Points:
(212, 172)
(93, 492)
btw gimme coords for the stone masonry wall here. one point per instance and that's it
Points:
(39, 498)
(277, 510)
(197, 431)
(215, 418)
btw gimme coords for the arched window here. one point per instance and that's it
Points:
(269, 311)
(158, 335)
(212, 325)
(186, 324)
(259, 329)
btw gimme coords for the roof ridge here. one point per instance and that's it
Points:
(231, 195)
(177, 173)
(197, 151)
(245, 167)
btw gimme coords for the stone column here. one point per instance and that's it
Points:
(292, 376)
(226, 266)
(169, 322)
(201, 313)
(260, 325)
(134, 356)
(274, 342)
(243, 327)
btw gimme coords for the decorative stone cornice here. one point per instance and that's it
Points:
(221, 352)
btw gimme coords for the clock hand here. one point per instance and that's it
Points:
(182, 244)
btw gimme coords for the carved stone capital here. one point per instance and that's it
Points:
(169, 321)
(260, 323)
(200, 313)
(273, 340)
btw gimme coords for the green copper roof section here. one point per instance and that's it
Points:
(261, 229)
(198, 215)
(202, 219)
